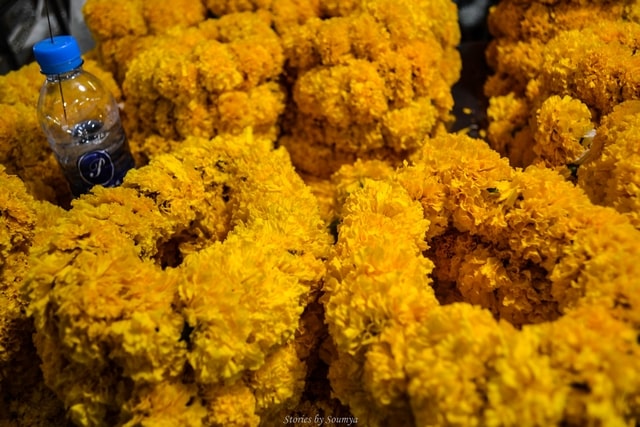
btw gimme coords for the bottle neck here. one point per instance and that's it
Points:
(64, 76)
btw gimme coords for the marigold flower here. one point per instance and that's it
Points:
(173, 401)
(162, 282)
(611, 179)
(171, 85)
(559, 74)
(17, 229)
(525, 247)
(562, 127)
(542, 20)
(508, 131)
(121, 28)
(370, 83)
(26, 400)
(284, 13)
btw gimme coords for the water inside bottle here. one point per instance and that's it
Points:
(95, 155)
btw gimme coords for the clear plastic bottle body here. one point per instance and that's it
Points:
(82, 123)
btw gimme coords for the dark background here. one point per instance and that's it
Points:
(23, 23)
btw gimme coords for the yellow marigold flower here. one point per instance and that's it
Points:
(116, 19)
(173, 401)
(508, 115)
(122, 29)
(542, 20)
(161, 283)
(160, 16)
(115, 55)
(319, 93)
(284, 13)
(145, 149)
(278, 384)
(26, 400)
(591, 63)
(226, 344)
(21, 86)
(25, 152)
(373, 286)
(466, 173)
(232, 63)
(528, 248)
(611, 179)
(565, 371)
(230, 405)
(350, 178)
(562, 127)
(515, 64)
(415, 20)
(448, 358)
(17, 228)
(324, 192)
(370, 82)
(545, 50)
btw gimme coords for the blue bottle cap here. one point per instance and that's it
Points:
(57, 56)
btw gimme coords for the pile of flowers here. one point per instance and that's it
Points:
(371, 81)
(465, 292)
(24, 398)
(358, 79)
(304, 242)
(122, 28)
(151, 302)
(218, 78)
(561, 85)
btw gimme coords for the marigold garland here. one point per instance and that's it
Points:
(558, 74)
(369, 82)
(122, 28)
(24, 399)
(611, 179)
(534, 252)
(219, 77)
(157, 313)
(366, 79)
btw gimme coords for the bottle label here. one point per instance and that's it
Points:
(96, 168)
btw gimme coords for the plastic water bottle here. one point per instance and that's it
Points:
(80, 118)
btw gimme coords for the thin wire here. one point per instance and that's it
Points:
(46, 8)
(64, 104)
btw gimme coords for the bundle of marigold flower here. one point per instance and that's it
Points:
(558, 73)
(368, 78)
(285, 14)
(612, 178)
(121, 28)
(371, 80)
(194, 274)
(526, 248)
(589, 60)
(521, 29)
(219, 77)
(24, 399)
